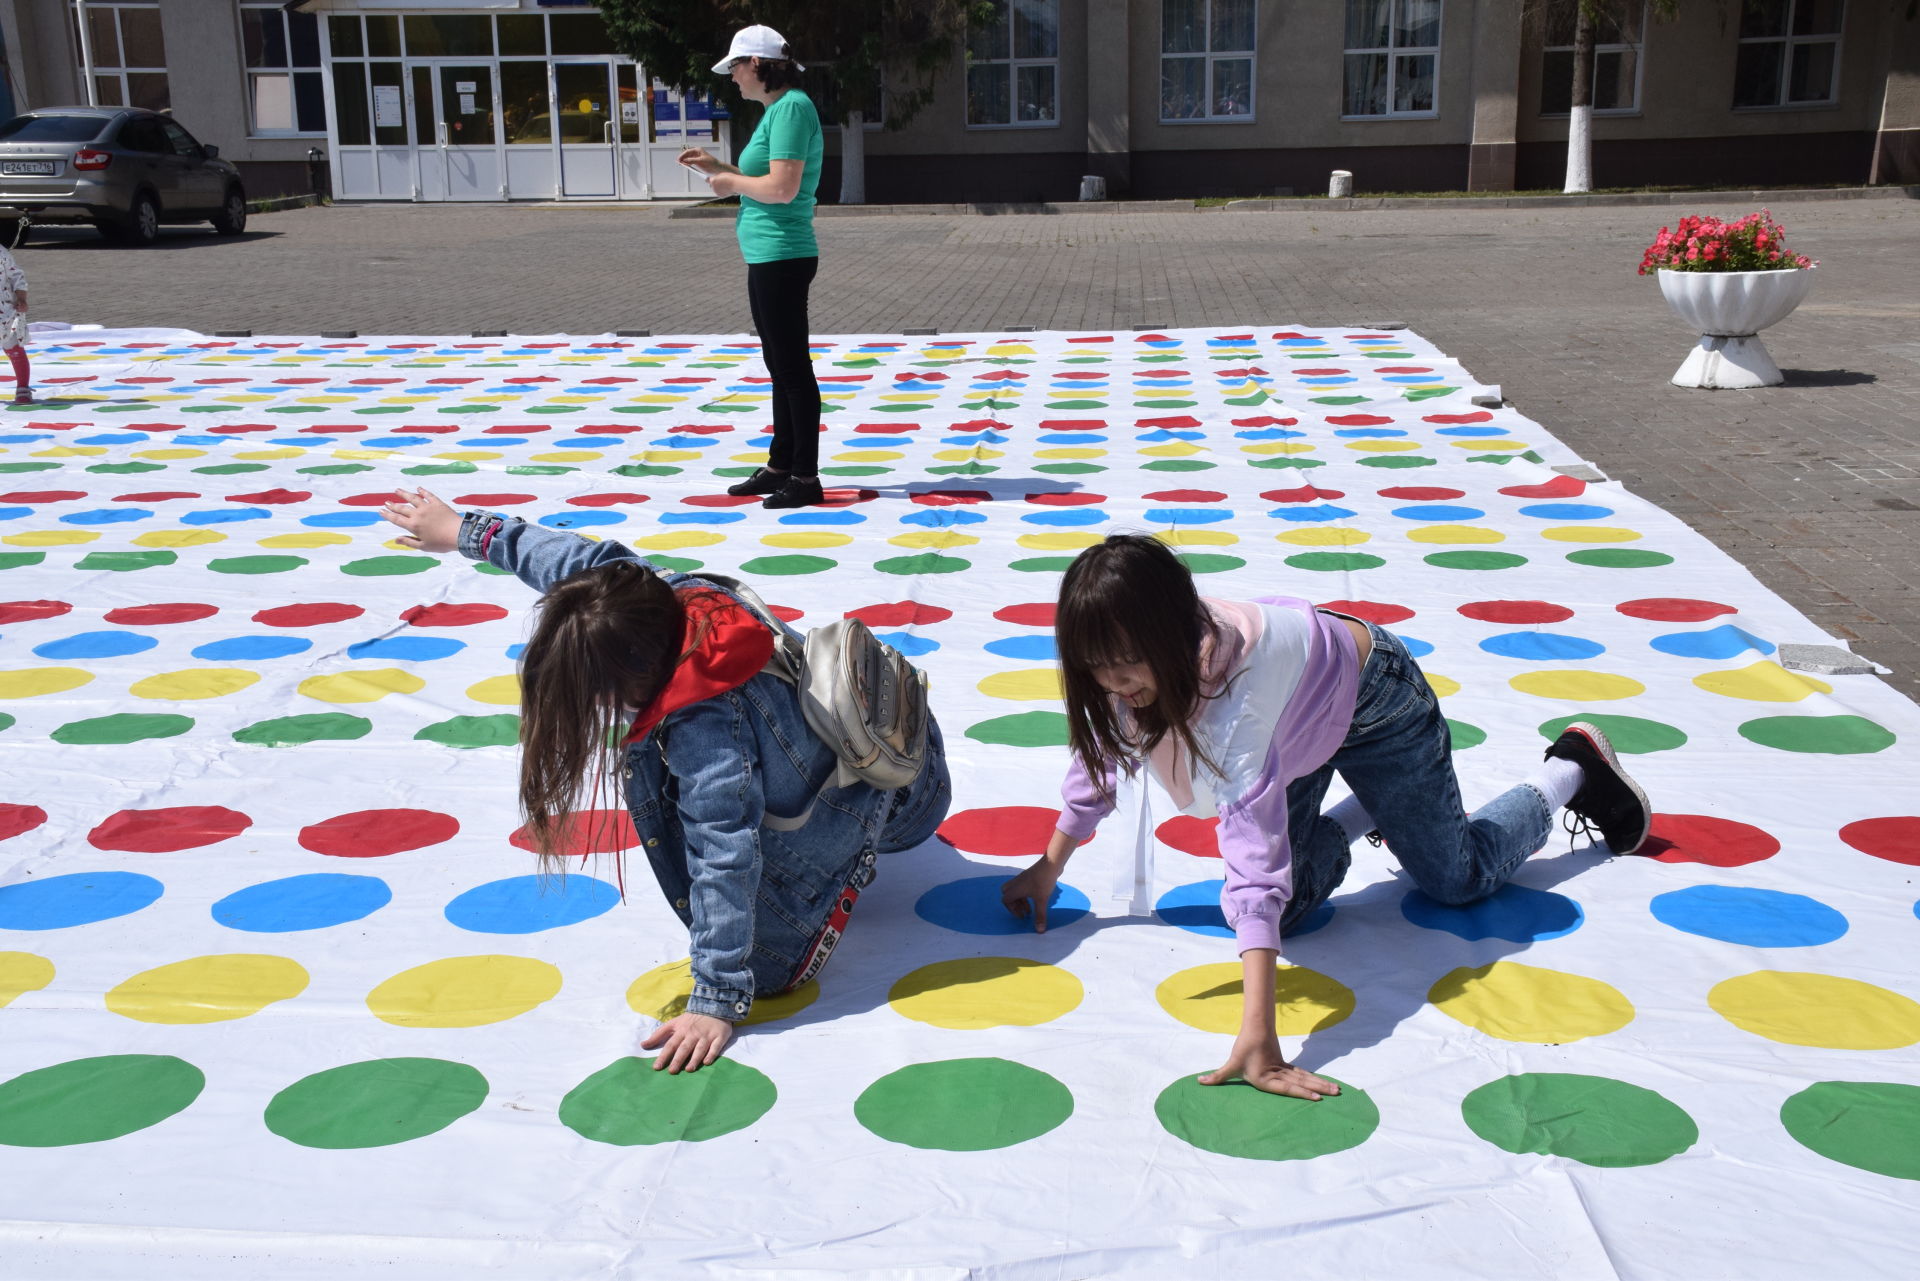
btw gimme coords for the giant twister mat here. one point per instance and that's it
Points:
(284, 998)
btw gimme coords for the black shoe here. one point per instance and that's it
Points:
(796, 493)
(1608, 800)
(763, 481)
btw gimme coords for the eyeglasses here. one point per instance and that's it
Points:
(737, 62)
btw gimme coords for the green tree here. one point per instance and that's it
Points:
(861, 49)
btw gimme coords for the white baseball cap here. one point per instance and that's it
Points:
(756, 42)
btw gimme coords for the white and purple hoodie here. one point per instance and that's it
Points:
(1284, 677)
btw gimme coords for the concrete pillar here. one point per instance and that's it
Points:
(1496, 95)
(1109, 122)
(1896, 143)
(41, 55)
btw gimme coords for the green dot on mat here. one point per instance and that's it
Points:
(854, 471)
(730, 471)
(481, 567)
(1619, 558)
(375, 1103)
(470, 409)
(389, 566)
(335, 469)
(385, 409)
(1042, 564)
(650, 469)
(1068, 469)
(628, 1103)
(6, 721)
(1594, 1120)
(132, 407)
(440, 469)
(1178, 464)
(291, 731)
(20, 560)
(91, 1100)
(124, 562)
(1238, 1120)
(1157, 403)
(296, 409)
(787, 566)
(1210, 562)
(1630, 734)
(125, 727)
(229, 469)
(963, 1105)
(256, 564)
(125, 469)
(1160, 359)
(922, 563)
(1827, 735)
(679, 564)
(474, 731)
(1334, 562)
(554, 409)
(211, 409)
(1428, 393)
(1476, 560)
(1462, 735)
(10, 468)
(542, 469)
(1397, 461)
(1285, 463)
(1498, 460)
(1024, 729)
(1076, 404)
(1869, 1125)
(963, 469)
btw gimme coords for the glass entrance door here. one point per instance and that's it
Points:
(586, 109)
(458, 152)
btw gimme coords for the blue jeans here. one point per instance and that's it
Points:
(1398, 759)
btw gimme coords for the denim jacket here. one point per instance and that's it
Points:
(699, 784)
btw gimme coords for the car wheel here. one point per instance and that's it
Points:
(232, 218)
(142, 224)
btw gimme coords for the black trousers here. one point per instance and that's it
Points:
(777, 293)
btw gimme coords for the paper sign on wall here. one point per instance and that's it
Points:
(466, 86)
(466, 104)
(630, 113)
(386, 107)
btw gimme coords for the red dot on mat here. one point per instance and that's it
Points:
(1516, 611)
(25, 611)
(720, 500)
(483, 500)
(1006, 831)
(949, 497)
(846, 497)
(308, 615)
(153, 615)
(380, 499)
(448, 614)
(1304, 494)
(162, 831)
(1480, 416)
(606, 500)
(885, 429)
(155, 496)
(1717, 842)
(904, 613)
(1422, 493)
(269, 497)
(1037, 614)
(594, 832)
(786, 613)
(1558, 487)
(378, 833)
(1186, 496)
(15, 819)
(1199, 837)
(1896, 839)
(514, 429)
(42, 496)
(1066, 500)
(1359, 420)
(1372, 611)
(1674, 609)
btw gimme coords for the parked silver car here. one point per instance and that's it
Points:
(122, 169)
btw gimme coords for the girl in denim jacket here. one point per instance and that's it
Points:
(1246, 710)
(714, 757)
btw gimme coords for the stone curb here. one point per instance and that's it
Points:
(273, 204)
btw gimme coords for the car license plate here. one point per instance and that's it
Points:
(48, 167)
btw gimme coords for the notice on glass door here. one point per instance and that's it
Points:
(386, 107)
(466, 104)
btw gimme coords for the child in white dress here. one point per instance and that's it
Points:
(13, 325)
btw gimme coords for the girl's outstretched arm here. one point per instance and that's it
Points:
(1030, 892)
(430, 525)
(536, 555)
(1256, 1057)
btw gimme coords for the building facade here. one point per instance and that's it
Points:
(431, 100)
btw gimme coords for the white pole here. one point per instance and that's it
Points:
(1580, 149)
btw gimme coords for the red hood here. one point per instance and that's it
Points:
(736, 645)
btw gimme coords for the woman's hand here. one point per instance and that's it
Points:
(1029, 893)
(1258, 1062)
(696, 158)
(431, 525)
(724, 184)
(688, 1042)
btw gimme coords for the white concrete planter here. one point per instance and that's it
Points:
(1729, 309)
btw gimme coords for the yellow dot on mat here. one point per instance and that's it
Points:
(658, 400)
(908, 397)
(324, 400)
(470, 455)
(51, 537)
(1579, 686)
(501, 691)
(1382, 446)
(271, 455)
(665, 456)
(1490, 446)
(1442, 686)
(1208, 997)
(208, 989)
(464, 991)
(242, 398)
(662, 992)
(685, 538)
(1325, 536)
(962, 455)
(70, 451)
(1070, 453)
(757, 457)
(1821, 1010)
(1455, 534)
(179, 538)
(1033, 684)
(1177, 449)
(1277, 447)
(978, 992)
(1197, 537)
(1591, 534)
(807, 538)
(1762, 682)
(1067, 542)
(577, 400)
(22, 972)
(1010, 349)
(1516, 1002)
(169, 455)
(567, 456)
(194, 683)
(318, 538)
(363, 455)
(868, 456)
(933, 538)
(361, 687)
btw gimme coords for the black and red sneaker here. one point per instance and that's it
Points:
(1608, 801)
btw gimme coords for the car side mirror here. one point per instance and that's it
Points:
(213, 152)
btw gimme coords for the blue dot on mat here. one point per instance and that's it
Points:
(1195, 907)
(1438, 511)
(1037, 648)
(310, 902)
(1067, 516)
(701, 518)
(1185, 515)
(1723, 641)
(823, 518)
(1566, 511)
(1072, 438)
(909, 644)
(230, 516)
(418, 649)
(246, 648)
(972, 906)
(582, 519)
(106, 516)
(939, 517)
(1512, 912)
(341, 520)
(529, 904)
(1369, 433)
(114, 438)
(1310, 515)
(1417, 648)
(1755, 918)
(15, 513)
(1542, 646)
(79, 898)
(1472, 431)
(514, 651)
(395, 442)
(96, 645)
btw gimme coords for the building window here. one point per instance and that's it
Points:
(1392, 59)
(1013, 65)
(1206, 59)
(282, 51)
(123, 46)
(1789, 53)
(1616, 60)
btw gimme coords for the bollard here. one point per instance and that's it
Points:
(1093, 187)
(1340, 184)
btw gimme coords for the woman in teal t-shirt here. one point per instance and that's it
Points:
(778, 173)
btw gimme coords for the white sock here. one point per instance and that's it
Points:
(1557, 780)
(1352, 817)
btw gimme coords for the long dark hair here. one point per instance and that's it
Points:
(606, 640)
(1128, 599)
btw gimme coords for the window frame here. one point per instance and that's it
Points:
(1208, 56)
(1788, 42)
(1014, 66)
(92, 72)
(1637, 48)
(291, 72)
(1392, 52)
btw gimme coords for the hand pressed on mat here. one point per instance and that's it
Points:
(688, 1042)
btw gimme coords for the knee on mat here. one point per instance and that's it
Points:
(1455, 893)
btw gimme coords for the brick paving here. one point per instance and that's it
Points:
(1814, 486)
